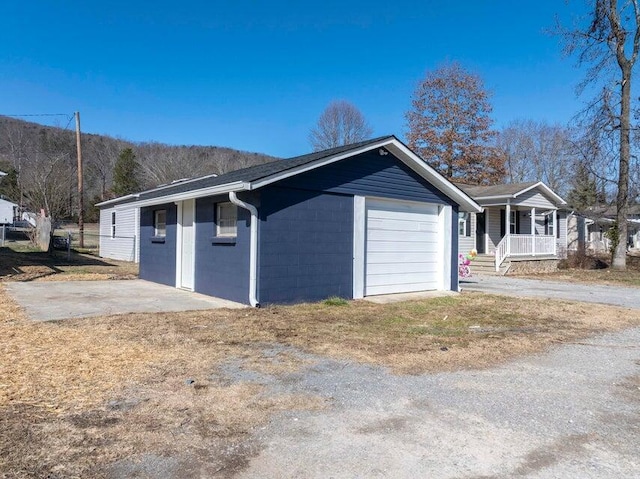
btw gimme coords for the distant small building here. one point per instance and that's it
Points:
(593, 225)
(7, 212)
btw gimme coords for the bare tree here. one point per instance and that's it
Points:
(538, 151)
(609, 41)
(341, 123)
(450, 126)
(48, 174)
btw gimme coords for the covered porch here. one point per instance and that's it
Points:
(519, 222)
(520, 232)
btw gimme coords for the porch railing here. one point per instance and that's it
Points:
(524, 245)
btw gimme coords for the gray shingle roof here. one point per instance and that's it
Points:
(494, 190)
(252, 173)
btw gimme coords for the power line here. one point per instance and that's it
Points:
(40, 114)
(25, 115)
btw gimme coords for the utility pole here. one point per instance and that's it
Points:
(80, 185)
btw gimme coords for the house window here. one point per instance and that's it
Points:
(463, 222)
(226, 219)
(512, 222)
(113, 224)
(550, 225)
(160, 223)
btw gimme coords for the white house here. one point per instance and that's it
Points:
(592, 226)
(519, 221)
(120, 229)
(7, 212)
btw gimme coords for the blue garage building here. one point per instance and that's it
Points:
(363, 219)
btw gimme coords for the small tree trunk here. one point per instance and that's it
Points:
(622, 201)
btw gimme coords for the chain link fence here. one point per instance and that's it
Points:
(115, 247)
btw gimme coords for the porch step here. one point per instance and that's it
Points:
(484, 264)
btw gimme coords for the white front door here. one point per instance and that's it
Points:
(401, 249)
(186, 262)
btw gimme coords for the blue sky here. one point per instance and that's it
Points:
(255, 75)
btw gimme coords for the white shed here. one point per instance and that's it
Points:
(7, 212)
(120, 232)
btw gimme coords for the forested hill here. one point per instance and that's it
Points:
(42, 164)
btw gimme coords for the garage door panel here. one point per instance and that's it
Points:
(401, 288)
(423, 224)
(401, 247)
(384, 268)
(397, 279)
(391, 210)
(400, 234)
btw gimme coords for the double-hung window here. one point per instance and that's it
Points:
(226, 219)
(160, 223)
(113, 224)
(463, 220)
(550, 226)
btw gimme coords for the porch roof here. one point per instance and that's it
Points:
(508, 191)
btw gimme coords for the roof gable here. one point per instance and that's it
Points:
(509, 191)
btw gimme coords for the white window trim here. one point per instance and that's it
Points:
(217, 220)
(463, 217)
(551, 227)
(156, 230)
(113, 224)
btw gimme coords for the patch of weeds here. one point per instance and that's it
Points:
(440, 330)
(335, 301)
(391, 320)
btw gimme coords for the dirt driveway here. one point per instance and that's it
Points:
(44, 301)
(519, 287)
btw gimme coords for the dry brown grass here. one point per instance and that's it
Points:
(79, 394)
(595, 269)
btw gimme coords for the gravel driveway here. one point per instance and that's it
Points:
(614, 295)
(572, 412)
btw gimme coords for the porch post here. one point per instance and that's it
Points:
(507, 226)
(555, 231)
(533, 231)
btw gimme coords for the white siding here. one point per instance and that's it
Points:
(525, 222)
(561, 242)
(467, 243)
(533, 199)
(124, 245)
(6, 211)
(493, 227)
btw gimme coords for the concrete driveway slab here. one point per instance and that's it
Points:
(52, 300)
(506, 285)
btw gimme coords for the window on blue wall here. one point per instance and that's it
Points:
(160, 222)
(113, 224)
(226, 219)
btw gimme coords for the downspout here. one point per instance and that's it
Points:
(253, 247)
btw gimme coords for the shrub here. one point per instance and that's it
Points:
(581, 260)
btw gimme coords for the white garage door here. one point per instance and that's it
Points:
(401, 247)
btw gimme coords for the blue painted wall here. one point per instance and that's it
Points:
(221, 269)
(157, 257)
(369, 174)
(305, 245)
